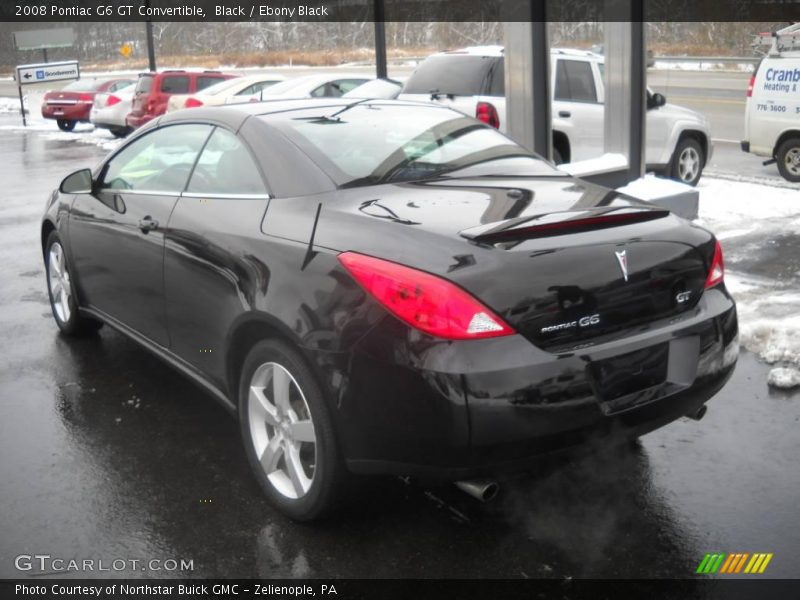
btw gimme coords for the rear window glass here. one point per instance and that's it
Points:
(225, 167)
(460, 75)
(204, 81)
(575, 81)
(376, 143)
(175, 84)
(144, 84)
(84, 85)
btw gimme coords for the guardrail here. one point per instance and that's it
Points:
(711, 60)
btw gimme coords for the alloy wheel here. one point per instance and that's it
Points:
(60, 286)
(282, 430)
(792, 161)
(688, 164)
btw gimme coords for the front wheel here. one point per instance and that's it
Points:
(59, 289)
(688, 161)
(288, 433)
(65, 124)
(788, 157)
(120, 132)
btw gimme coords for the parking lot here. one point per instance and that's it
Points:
(109, 453)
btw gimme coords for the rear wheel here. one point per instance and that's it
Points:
(557, 158)
(288, 433)
(120, 132)
(688, 161)
(59, 288)
(65, 124)
(788, 157)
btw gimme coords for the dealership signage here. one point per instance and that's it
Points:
(44, 73)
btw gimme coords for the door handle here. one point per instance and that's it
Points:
(565, 114)
(148, 224)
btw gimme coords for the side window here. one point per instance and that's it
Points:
(226, 167)
(249, 90)
(575, 81)
(497, 86)
(158, 162)
(204, 81)
(319, 92)
(342, 86)
(175, 84)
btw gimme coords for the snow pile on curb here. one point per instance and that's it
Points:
(750, 221)
(9, 105)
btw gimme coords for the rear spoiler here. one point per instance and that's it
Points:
(560, 223)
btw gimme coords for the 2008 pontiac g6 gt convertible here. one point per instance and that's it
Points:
(389, 287)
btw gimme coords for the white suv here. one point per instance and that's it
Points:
(472, 80)
(772, 116)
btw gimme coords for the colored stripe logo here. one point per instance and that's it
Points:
(734, 563)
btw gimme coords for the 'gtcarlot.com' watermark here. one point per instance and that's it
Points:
(44, 563)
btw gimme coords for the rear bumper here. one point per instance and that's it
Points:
(67, 112)
(465, 409)
(136, 121)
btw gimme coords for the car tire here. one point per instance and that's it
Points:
(59, 291)
(65, 125)
(557, 158)
(688, 161)
(120, 132)
(305, 476)
(788, 157)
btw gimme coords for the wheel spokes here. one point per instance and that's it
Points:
(281, 384)
(272, 455)
(294, 466)
(303, 431)
(264, 407)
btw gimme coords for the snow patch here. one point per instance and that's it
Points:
(700, 65)
(747, 218)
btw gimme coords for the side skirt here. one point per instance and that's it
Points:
(164, 354)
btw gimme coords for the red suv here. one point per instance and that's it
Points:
(154, 89)
(74, 102)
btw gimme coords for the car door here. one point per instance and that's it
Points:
(576, 102)
(212, 271)
(117, 232)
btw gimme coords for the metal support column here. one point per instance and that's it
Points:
(151, 51)
(381, 71)
(626, 84)
(527, 79)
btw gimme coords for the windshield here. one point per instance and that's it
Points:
(287, 86)
(84, 85)
(457, 74)
(220, 87)
(371, 143)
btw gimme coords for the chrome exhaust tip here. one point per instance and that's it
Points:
(699, 413)
(480, 489)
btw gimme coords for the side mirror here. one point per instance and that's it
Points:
(80, 182)
(656, 100)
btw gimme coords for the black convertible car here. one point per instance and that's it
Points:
(389, 287)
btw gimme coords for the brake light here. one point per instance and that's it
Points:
(112, 100)
(192, 103)
(751, 85)
(424, 301)
(151, 105)
(717, 271)
(485, 112)
(85, 98)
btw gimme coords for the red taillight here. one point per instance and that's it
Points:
(717, 271)
(751, 85)
(485, 112)
(85, 98)
(424, 301)
(151, 106)
(192, 103)
(112, 100)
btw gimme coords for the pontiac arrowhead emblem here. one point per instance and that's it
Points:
(622, 258)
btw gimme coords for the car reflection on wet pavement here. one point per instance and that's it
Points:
(108, 453)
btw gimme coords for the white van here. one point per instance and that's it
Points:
(772, 116)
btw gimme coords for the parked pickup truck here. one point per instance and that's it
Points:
(472, 80)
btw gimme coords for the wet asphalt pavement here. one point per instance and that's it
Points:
(107, 453)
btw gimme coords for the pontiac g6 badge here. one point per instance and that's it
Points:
(622, 258)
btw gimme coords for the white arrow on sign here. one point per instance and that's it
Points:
(45, 72)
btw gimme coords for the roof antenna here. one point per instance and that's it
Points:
(310, 252)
